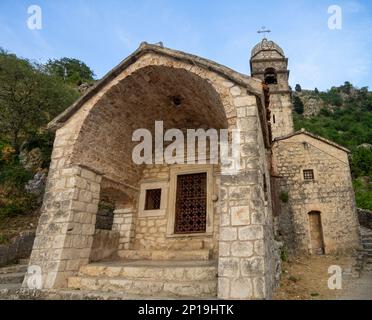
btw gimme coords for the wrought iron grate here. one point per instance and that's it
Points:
(191, 203)
(153, 199)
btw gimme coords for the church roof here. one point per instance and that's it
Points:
(303, 131)
(266, 45)
(253, 85)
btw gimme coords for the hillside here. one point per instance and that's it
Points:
(31, 94)
(344, 115)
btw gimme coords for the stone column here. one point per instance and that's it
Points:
(66, 227)
(124, 224)
(243, 258)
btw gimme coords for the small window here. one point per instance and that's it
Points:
(271, 76)
(309, 174)
(274, 120)
(153, 199)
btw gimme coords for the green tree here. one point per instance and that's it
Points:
(70, 70)
(361, 162)
(298, 105)
(347, 87)
(29, 98)
(298, 88)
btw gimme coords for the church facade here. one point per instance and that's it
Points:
(188, 230)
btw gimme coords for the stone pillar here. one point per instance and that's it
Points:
(244, 261)
(124, 224)
(66, 227)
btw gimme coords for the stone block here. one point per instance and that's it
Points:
(240, 216)
(241, 249)
(252, 266)
(228, 234)
(251, 233)
(228, 267)
(241, 288)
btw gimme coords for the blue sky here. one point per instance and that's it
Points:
(102, 33)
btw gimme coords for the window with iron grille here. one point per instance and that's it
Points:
(309, 174)
(153, 199)
(191, 203)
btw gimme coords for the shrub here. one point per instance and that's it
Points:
(284, 197)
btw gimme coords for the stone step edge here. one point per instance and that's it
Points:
(13, 269)
(11, 276)
(149, 288)
(191, 282)
(211, 274)
(156, 254)
(66, 294)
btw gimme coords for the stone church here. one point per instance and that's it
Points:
(178, 230)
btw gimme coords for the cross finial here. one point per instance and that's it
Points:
(263, 30)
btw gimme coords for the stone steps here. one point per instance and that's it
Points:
(158, 255)
(16, 293)
(11, 278)
(145, 287)
(154, 270)
(167, 279)
(14, 269)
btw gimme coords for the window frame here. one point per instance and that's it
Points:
(142, 213)
(171, 211)
(307, 170)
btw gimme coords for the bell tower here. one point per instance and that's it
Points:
(269, 64)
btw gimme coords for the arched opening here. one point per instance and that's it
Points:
(271, 76)
(316, 233)
(182, 100)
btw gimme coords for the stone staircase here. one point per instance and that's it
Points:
(11, 277)
(168, 277)
(161, 255)
(366, 235)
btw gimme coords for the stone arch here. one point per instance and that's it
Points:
(88, 151)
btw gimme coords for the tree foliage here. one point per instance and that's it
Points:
(31, 95)
(29, 98)
(298, 105)
(70, 70)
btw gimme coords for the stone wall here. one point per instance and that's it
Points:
(18, 248)
(330, 193)
(105, 244)
(281, 114)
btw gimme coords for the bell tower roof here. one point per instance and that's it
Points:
(269, 48)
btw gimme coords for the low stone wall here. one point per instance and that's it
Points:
(19, 248)
(105, 244)
(365, 218)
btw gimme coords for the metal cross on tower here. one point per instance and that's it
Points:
(263, 30)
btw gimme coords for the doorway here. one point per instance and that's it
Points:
(316, 233)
